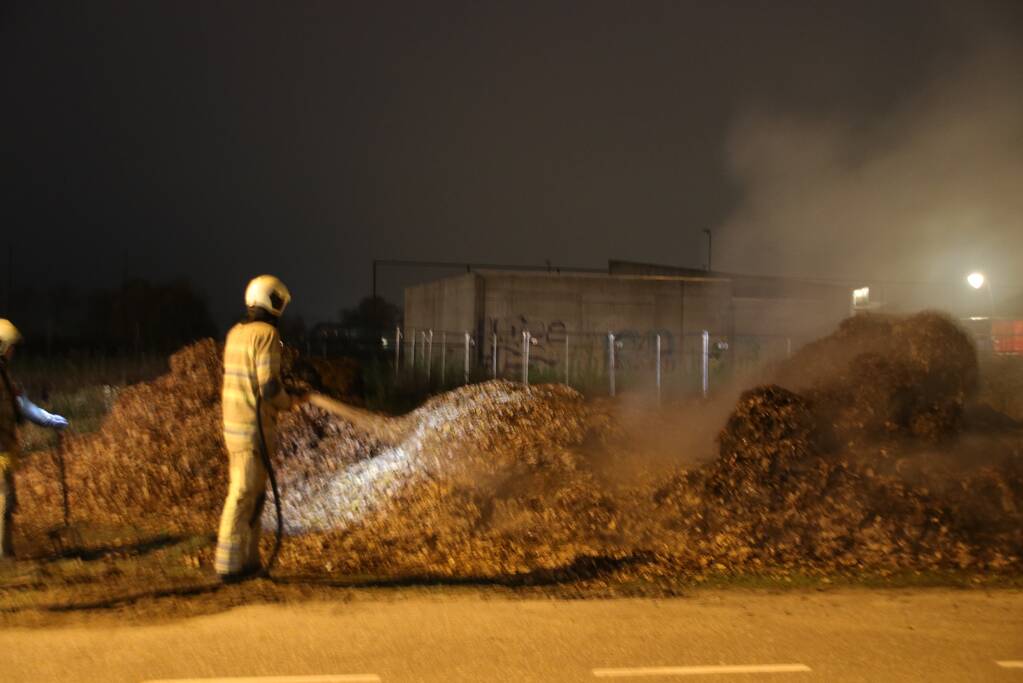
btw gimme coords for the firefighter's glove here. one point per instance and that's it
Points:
(36, 415)
(58, 422)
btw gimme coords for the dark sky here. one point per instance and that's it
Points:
(215, 141)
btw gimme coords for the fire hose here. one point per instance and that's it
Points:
(264, 453)
(58, 460)
(386, 429)
(66, 537)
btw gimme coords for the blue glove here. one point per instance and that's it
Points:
(58, 422)
(33, 413)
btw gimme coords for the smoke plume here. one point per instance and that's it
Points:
(916, 197)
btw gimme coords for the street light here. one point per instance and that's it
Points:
(976, 279)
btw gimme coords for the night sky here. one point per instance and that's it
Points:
(216, 141)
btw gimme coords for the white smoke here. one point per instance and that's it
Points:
(923, 194)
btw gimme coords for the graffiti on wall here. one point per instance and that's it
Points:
(552, 340)
(548, 341)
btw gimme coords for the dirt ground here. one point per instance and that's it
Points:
(120, 575)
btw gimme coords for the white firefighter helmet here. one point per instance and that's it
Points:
(9, 335)
(269, 293)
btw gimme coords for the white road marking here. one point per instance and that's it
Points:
(341, 678)
(701, 670)
(1011, 664)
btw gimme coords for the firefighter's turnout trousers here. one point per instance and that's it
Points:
(8, 460)
(240, 526)
(8, 503)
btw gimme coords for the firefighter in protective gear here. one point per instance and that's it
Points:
(14, 408)
(253, 394)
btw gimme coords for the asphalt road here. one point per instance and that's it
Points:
(851, 635)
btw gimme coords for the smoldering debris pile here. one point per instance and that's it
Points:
(858, 462)
(1002, 389)
(848, 474)
(880, 376)
(159, 452)
(775, 499)
(490, 481)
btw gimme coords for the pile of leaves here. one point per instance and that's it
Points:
(854, 459)
(776, 499)
(1002, 388)
(881, 376)
(159, 449)
(491, 480)
(159, 453)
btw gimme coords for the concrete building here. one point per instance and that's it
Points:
(569, 315)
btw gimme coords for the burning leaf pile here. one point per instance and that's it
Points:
(775, 500)
(489, 480)
(159, 453)
(881, 376)
(848, 474)
(858, 462)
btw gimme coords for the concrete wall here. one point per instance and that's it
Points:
(768, 306)
(760, 318)
(599, 303)
(580, 309)
(450, 305)
(800, 319)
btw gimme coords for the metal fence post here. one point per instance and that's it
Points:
(705, 363)
(658, 368)
(412, 352)
(566, 358)
(443, 358)
(525, 357)
(468, 339)
(397, 350)
(611, 360)
(422, 348)
(429, 355)
(493, 355)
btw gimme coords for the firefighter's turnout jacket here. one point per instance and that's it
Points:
(9, 418)
(252, 380)
(252, 395)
